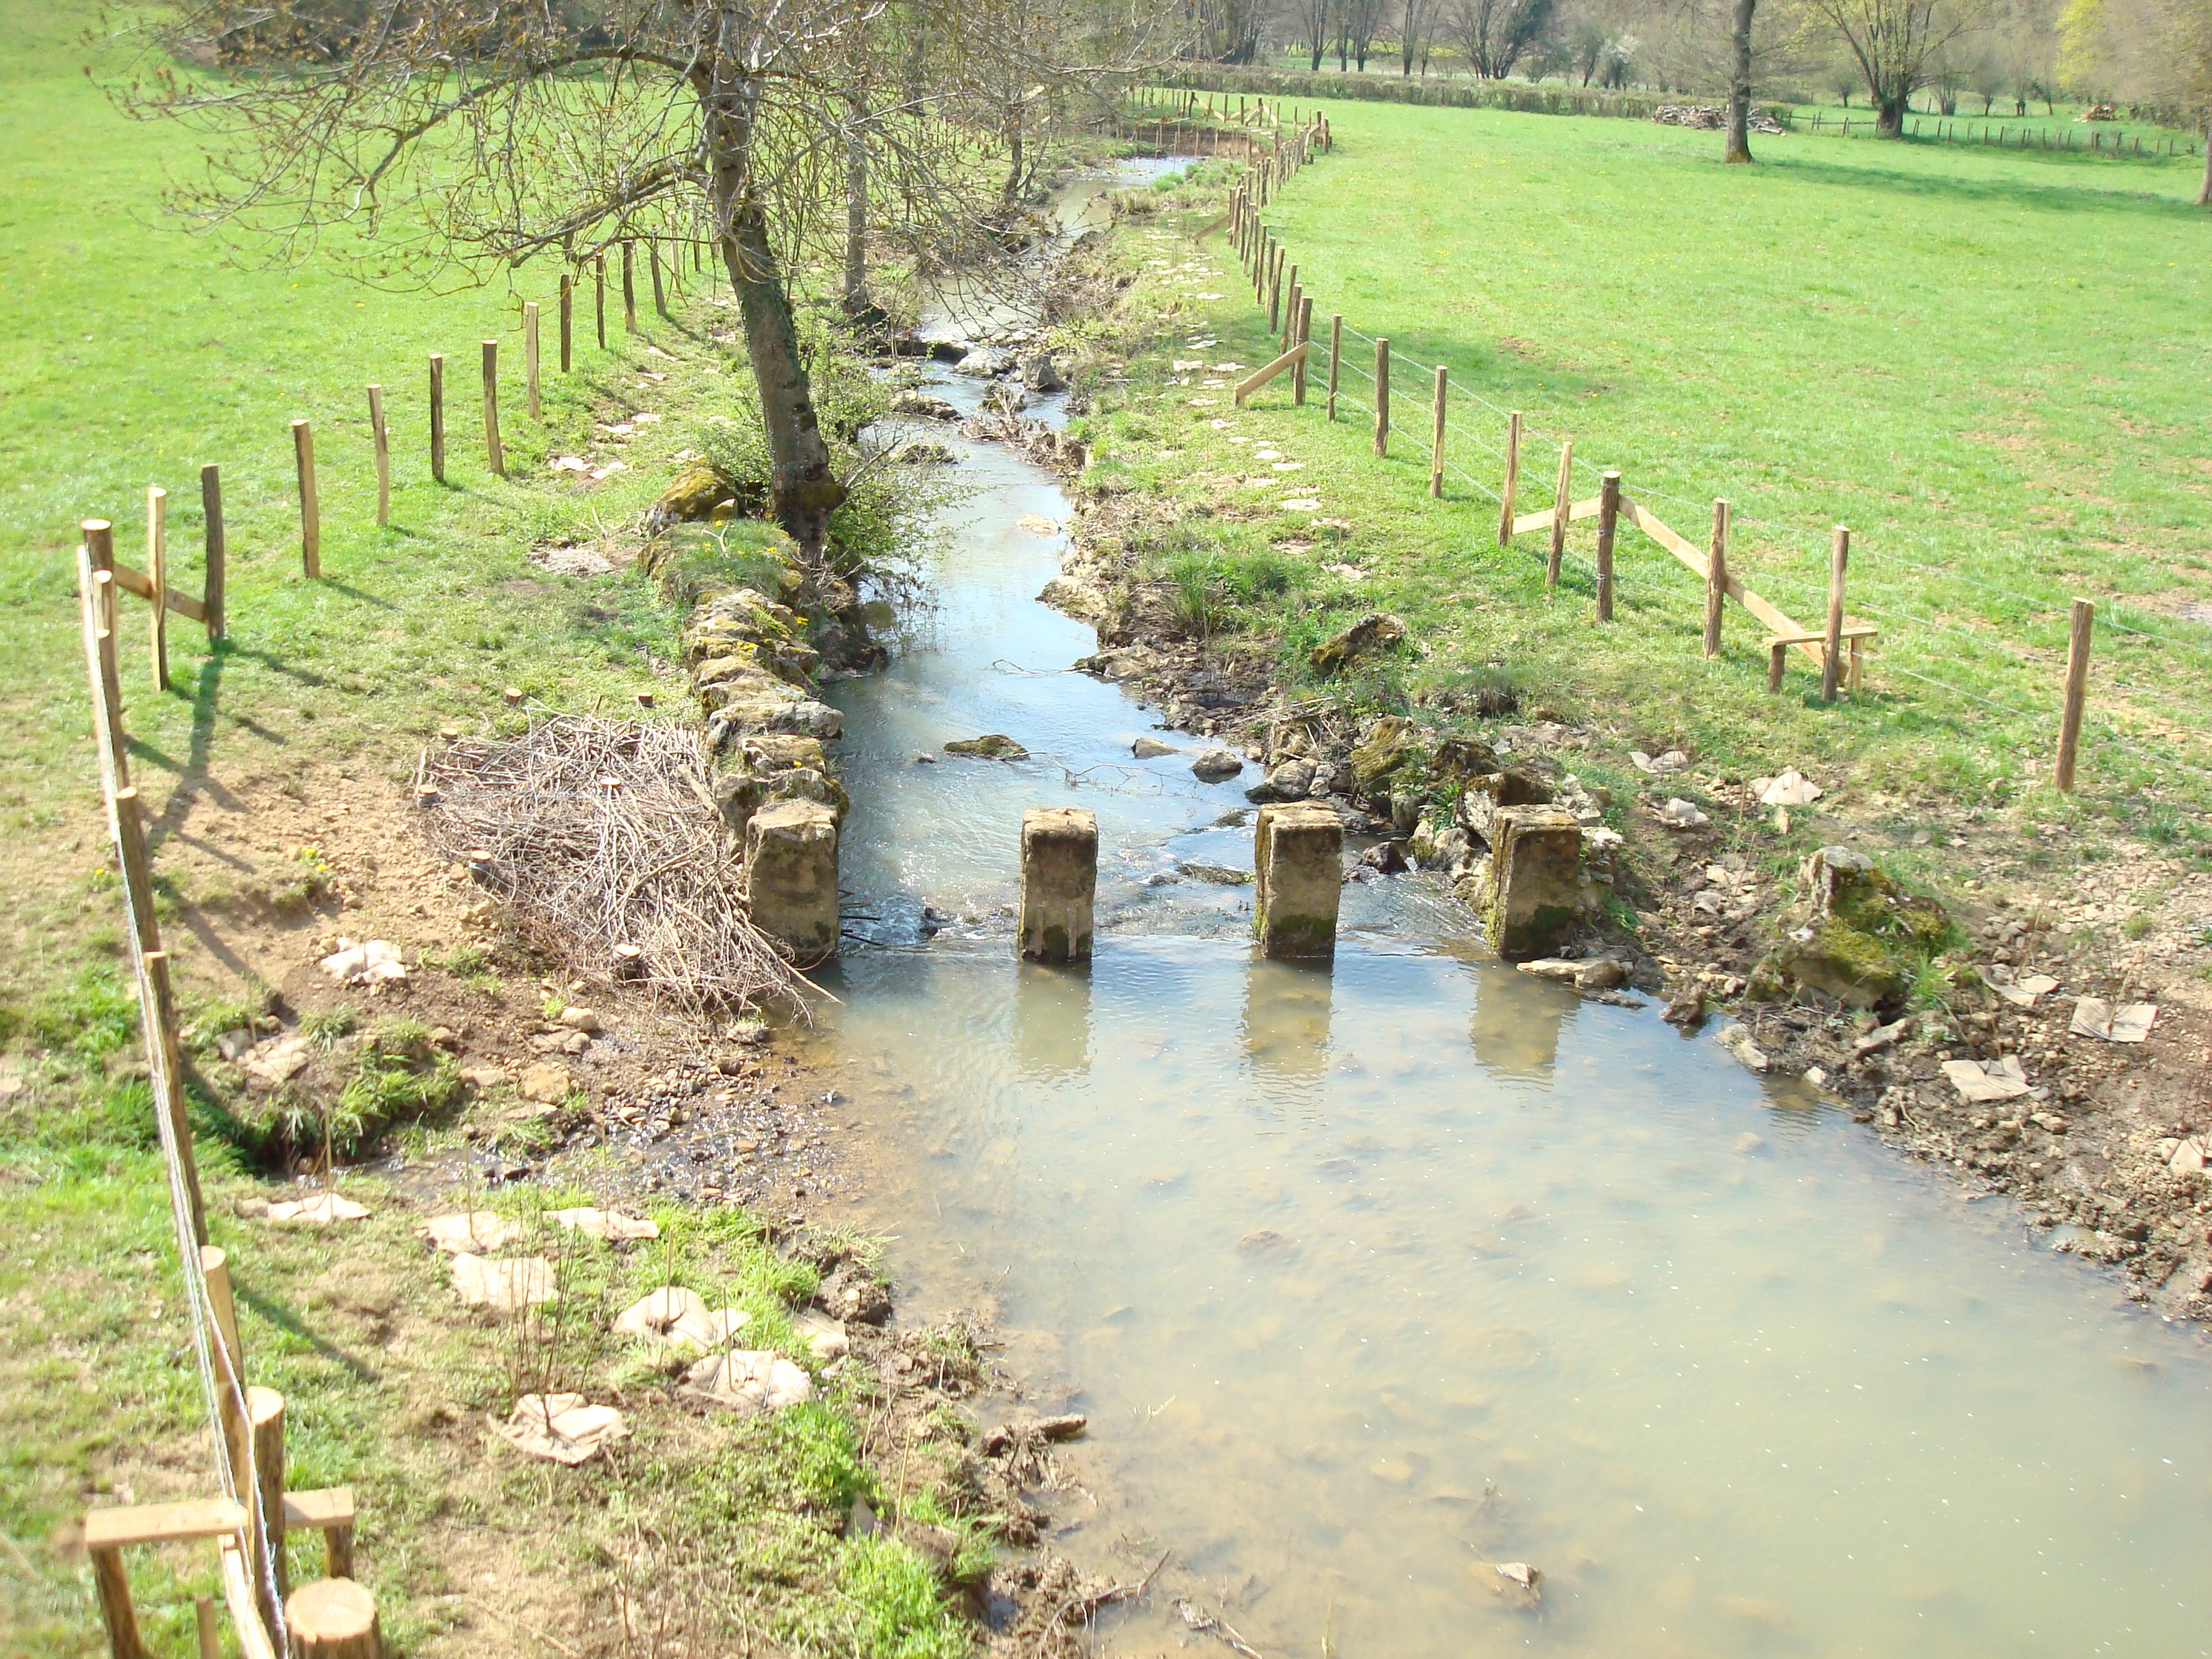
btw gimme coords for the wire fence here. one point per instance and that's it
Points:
(2030, 636)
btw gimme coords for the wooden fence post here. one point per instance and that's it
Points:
(311, 515)
(1437, 438)
(1510, 493)
(1382, 396)
(1561, 506)
(568, 320)
(1608, 522)
(600, 299)
(1305, 338)
(438, 417)
(530, 398)
(629, 288)
(211, 596)
(233, 1407)
(1715, 578)
(495, 454)
(381, 441)
(2077, 692)
(157, 572)
(211, 1632)
(1290, 326)
(1275, 290)
(264, 1411)
(1832, 650)
(1335, 356)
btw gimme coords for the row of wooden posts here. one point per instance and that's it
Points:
(333, 1617)
(152, 584)
(1837, 649)
(1946, 131)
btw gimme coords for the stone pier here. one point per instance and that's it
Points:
(1534, 893)
(791, 876)
(1298, 852)
(1060, 883)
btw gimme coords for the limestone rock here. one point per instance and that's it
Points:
(1389, 744)
(1291, 780)
(1215, 765)
(546, 1083)
(1457, 759)
(1040, 373)
(995, 746)
(692, 494)
(1073, 597)
(1298, 853)
(791, 876)
(984, 363)
(474, 1231)
(914, 401)
(1484, 795)
(608, 1225)
(1369, 637)
(1151, 749)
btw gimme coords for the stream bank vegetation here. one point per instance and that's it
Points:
(2034, 447)
(461, 160)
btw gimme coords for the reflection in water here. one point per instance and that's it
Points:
(1359, 1310)
(1286, 1018)
(1051, 1021)
(1515, 1024)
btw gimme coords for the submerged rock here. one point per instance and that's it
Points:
(1151, 749)
(992, 745)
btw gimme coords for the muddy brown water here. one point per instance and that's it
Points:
(1372, 1277)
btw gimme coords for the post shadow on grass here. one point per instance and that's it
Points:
(284, 1317)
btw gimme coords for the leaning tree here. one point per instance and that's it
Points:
(417, 136)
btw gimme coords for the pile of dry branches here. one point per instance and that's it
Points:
(603, 837)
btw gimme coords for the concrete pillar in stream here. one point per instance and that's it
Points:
(1060, 883)
(1536, 892)
(1297, 853)
(791, 876)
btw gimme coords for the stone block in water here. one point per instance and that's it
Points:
(1298, 852)
(1060, 883)
(791, 876)
(1536, 891)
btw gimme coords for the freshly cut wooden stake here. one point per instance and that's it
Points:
(1562, 514)
(494, 452)
(1382, 396)
(1832, 652)
(2077, 691)
(333, 1619)
(1335, 356)
(211, 1632)
(1512, 488)
(157, 572)
(264, 1411)
(1608, 522)
(211, 596)
(311, 514)
(531, 400)
(1716, 577)
(1437, 438)
(380, 441)
(1305, 338)
(438, 417)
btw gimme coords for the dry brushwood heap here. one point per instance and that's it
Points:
(603, 839)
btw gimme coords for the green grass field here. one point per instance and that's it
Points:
(1987, 364)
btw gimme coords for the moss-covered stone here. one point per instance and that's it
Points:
(1367, 638)
(1388, 746)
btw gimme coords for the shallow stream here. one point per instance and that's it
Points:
(1371, 1277)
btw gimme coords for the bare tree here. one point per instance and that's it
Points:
(1356, 23)
(1494, 34)
(1894, 43)
(1417, 21)
(421, 135)
(1313, 18)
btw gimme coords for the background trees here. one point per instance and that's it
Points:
(2158, 50)
(417, 136)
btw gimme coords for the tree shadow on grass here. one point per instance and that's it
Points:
(2070, 197)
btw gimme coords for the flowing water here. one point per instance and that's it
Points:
(1371, 1277)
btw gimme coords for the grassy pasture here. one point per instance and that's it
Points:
(1988, 364)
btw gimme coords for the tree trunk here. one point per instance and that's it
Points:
(860, 310)
(2204, 191)
(1015, 161)
(1739, 112)
(1889, 117)
(803, 489)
